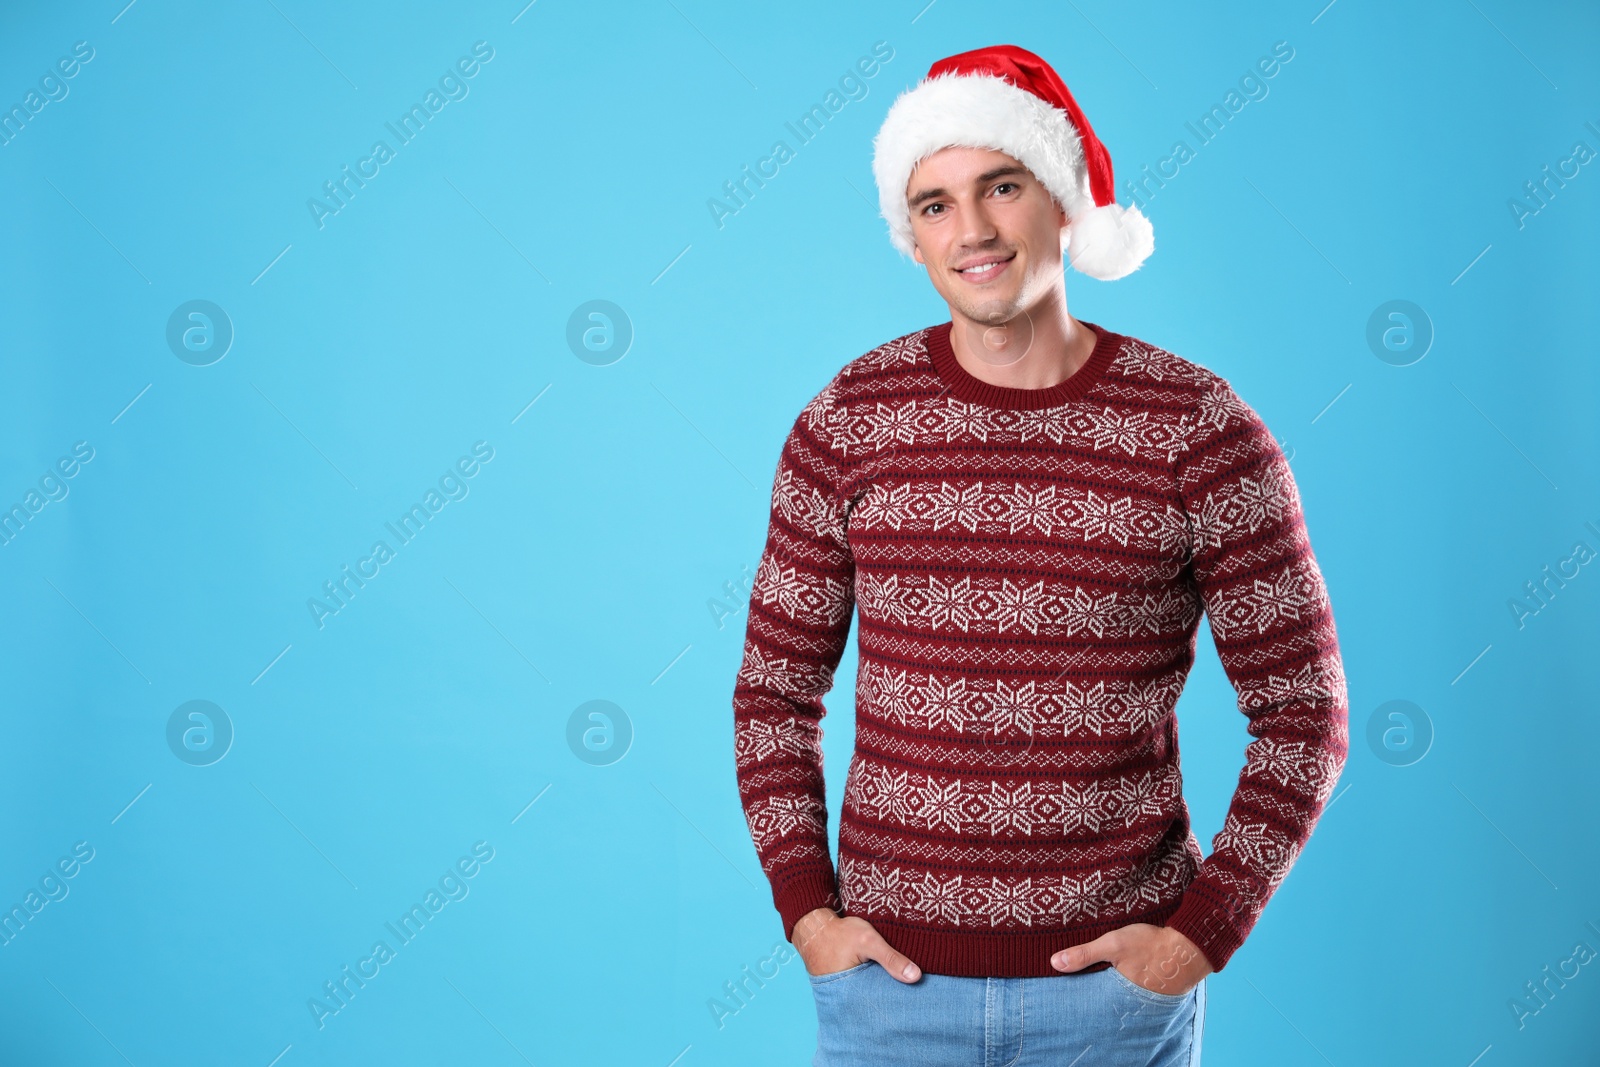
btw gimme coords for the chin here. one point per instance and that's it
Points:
(995, 311)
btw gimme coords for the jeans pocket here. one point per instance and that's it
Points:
(1151, 995)
(834, 976)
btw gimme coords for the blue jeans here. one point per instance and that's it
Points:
(1098, 1019)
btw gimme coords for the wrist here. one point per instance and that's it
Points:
(1185, 951)
(811, 923)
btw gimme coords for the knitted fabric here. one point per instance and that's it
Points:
(1029, 568)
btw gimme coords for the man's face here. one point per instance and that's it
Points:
(971, 206)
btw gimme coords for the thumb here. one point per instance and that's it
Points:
(1080, 956)
(896, 963)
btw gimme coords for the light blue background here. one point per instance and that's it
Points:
(432, 710)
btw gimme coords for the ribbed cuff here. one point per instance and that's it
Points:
(806, 892)
(1216, 925)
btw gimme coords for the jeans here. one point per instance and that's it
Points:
(1098, 1019)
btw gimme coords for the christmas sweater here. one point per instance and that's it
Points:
(1028, 568)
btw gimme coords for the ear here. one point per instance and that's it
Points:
(916, 253)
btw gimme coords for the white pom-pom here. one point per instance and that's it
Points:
(1110, 241)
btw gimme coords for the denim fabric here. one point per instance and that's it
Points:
(1098, 1019)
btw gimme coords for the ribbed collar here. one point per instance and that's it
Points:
(974, 390)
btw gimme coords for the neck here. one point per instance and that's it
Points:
(1036, 348)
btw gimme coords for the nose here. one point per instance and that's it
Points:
(977, 228)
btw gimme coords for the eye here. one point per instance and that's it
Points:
(1003, 185)
(930, 207)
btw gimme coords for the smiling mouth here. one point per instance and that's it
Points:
(986, 270)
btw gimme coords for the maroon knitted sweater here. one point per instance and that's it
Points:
(1029, 567)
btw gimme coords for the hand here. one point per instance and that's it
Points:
(829, 942)
(1155, 957)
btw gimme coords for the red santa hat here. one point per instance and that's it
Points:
(1008, 99)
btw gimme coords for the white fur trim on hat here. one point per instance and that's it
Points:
(983, 111)
(1109, 241)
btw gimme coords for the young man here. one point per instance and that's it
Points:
(1029, 513)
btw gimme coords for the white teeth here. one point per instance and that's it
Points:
(986, 268)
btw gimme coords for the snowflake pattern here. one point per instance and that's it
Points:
(1220, 407)
(883, 794)
(799, 595)
(1320, 679)
(999, 507)
(1000, 606)
(1246, 507)
(778, 816)
(1144, 362)
(1286, 764)
(1029, 578)
(1257, 846)
(1058, 707)
(1296, 594)
(783, 674)
(757, 739)
(807, 508)
(945, 420)
(874, 889)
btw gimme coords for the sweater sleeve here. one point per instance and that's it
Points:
(1252, 564)
(801, 601)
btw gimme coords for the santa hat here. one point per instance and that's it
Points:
(1008, 99)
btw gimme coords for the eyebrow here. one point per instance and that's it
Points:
(983, 179)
